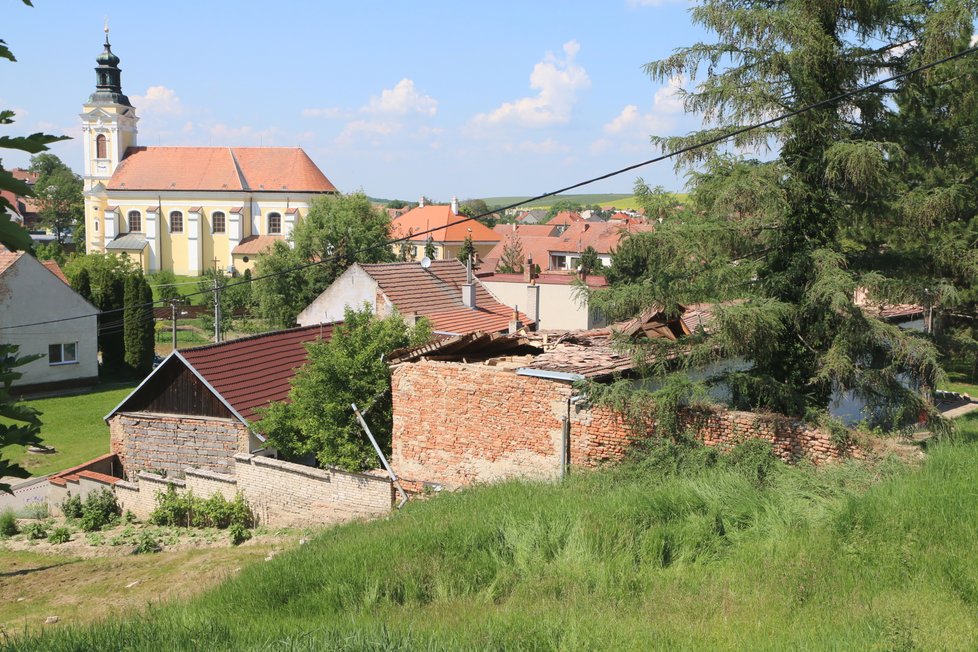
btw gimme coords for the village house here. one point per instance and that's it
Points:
(552, 299)
(482, 407)
(185, 209)
(446, 239)
(445, 292)
(62, 329)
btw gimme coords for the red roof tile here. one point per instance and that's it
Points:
(219, 168)
(423, 218)
(256, 244)
(577, 237)
(252, 372)
(55, 269)
(8, 258)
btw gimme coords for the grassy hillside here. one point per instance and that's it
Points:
(619, 200)
(678, 551)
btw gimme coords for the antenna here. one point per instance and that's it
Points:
(425, 262)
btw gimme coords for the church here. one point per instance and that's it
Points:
(185, 209)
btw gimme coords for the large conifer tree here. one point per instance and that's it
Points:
(791, 238)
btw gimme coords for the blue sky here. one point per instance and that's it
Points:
(395, 98)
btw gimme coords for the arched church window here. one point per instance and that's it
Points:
(176, 222)
(274, 223)
(100, 146)
(218, 222)
(135, 221)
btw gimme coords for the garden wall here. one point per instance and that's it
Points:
(457, 423)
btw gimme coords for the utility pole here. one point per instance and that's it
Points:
(173, 317)
(217, 310)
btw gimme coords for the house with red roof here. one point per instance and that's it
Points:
(185, 209)
(444, 292)
(43, 316)
(444, 227)
(198, 407)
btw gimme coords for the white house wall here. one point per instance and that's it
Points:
(31, 293)
(559, 309)
(352, 289)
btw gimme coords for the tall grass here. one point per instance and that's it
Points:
(677, 550)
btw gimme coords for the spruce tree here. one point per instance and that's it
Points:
(466, 250)
(776, 235)
(512, 259)
(138, 324)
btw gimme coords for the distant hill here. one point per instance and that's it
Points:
(618, 200)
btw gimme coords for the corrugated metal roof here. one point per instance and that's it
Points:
(128, 242)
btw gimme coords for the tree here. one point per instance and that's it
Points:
(656, 202)
(59, 196)
(107, 275)
(590, 263)
(773, 235)
(429, 248)
(338, 231)
(349, 368)
(560, 206)
(512, 259)
(138, 325)
(466, 250)
(396, 203)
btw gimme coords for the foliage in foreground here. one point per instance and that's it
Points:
(678, 550)
(188, 510)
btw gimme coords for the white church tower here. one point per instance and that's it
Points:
(108, 129)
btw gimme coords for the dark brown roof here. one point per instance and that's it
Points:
(252, 372)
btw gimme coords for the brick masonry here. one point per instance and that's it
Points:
(279, 493)
(457, 424)
(170, 443)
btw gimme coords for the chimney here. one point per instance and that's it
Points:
(528, 270)
(468, 290)
(454, 205)
(515, 325)
(421, 202)
(533, 303)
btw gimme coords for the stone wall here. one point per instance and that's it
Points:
(279, 493)
(171, 443)
(455, 424)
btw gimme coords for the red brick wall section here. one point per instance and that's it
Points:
(167, 442)
(456, 424)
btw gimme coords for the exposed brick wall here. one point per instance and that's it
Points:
(457, 424)
(166, 442)
(282, 493)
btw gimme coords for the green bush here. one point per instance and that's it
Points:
(188, 510)
(99, 510)
(146, 543)
(36, 531)
(72, 506)
(59, 535)
(8, 524)
(238, 534)
(36, 511)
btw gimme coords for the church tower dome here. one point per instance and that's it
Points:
(108, 78)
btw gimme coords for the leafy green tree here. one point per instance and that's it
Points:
(512, 259)
(429, 248)
(338, 231)
(349, 368)
(138, 325)
(560, 206)
(19, 423)
(396, 203)
(107, 275)
(656, 202)
(775, 235)
(466, 250)
(59, 196)
(164, 282)
(590, 263)
(51, 251)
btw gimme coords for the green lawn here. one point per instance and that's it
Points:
(74, 426)
(961, 383)
(676, 551)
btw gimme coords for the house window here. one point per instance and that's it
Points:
(66, 353)
(217, 222)
(135, 221)
(274, 223)
(96, 224)
(176, 222)
(100, 146)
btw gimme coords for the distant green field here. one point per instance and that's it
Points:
(621, 201)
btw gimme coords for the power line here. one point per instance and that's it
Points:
(683, 150)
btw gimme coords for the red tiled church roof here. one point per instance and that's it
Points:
(256, 169)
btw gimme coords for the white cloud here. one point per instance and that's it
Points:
(332, 112)
(632, 121)
(557, 80)
(404, 98)
(974, 39)
(668, 98)
(371, 129)
(158, 100)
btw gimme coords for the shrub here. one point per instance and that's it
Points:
(72, 506)
(171, 508)
(36, 531)
(188, 510)
(755, 459)
(60, 535)
(8, 524)
(36, 511)
(128, 517)
(238, 534)
(146, 543)
(99, 510)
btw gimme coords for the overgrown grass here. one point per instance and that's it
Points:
(73, 425)
(673, 552)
